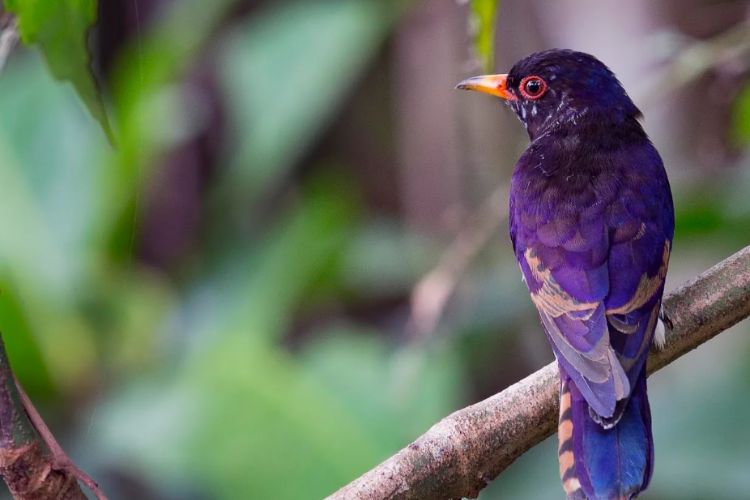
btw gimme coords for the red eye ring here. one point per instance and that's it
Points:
(532, 87)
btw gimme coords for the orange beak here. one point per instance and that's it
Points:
(496, 85)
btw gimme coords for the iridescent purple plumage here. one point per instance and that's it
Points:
(591, 221)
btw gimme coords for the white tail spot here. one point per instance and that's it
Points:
(660, 338)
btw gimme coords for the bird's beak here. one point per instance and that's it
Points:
(496, 85)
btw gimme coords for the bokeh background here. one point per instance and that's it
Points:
(296, 261)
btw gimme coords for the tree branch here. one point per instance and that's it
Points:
(25, 462)
(32, 464)
(460, 454)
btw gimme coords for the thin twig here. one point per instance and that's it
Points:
(26, 463)
(695, 59)
(60, 460)
(431, 293)
(459, 455)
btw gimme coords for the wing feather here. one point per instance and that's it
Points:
(593, 241)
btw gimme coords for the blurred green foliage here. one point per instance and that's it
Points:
(484, 20)
(243, 368)
(210, 401)
(324, 46)
(741, 118)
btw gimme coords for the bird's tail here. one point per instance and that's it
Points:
(599, 464)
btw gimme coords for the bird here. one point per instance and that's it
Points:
(591, 225)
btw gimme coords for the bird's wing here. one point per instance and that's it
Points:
(568, 284)
(595, 267)
(640, 223)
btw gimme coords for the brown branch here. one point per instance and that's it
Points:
(459, 455)
(32, 464)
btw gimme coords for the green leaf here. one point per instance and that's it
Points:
(483, 16)
(23, 348)
(59, 28)
(741, 118)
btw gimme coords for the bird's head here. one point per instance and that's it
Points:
(556, 88)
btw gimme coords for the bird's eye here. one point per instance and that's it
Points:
(533, 87)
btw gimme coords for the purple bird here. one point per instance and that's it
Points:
(591, 221)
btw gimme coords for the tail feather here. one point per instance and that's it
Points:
(604, 464)
(566, 448)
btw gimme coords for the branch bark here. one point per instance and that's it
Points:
(460, 454)
(26, 464)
